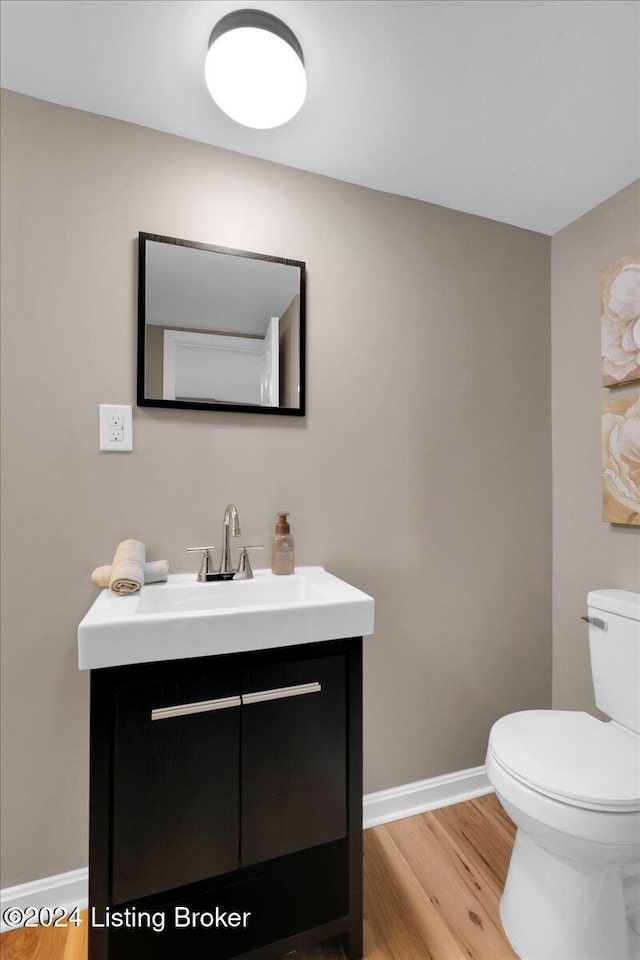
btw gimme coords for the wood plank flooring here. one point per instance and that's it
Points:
(432, 886)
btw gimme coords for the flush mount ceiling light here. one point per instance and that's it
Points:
(255, 69)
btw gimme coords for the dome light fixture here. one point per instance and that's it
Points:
(255, 69)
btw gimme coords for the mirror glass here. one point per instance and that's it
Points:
(219, 329)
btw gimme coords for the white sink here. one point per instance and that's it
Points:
(183, 618)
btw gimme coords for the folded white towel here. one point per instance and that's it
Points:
(155, 571)
(127, 569)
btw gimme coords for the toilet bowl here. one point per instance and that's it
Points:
(571, 784)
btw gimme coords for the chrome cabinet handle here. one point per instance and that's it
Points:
(200, 706)
(279, 693)
(225, 703)
(596, 622)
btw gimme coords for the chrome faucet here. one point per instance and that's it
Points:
(230, 528)
(245, 570)
(207, 570)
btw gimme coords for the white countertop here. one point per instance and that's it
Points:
(183, 618)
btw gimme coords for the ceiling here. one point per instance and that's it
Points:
(524, 111)
(199, 289)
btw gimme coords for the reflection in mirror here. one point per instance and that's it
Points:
(223, 329)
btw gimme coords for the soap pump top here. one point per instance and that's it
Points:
(282, 526)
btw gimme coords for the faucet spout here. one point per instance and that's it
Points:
(230, 528)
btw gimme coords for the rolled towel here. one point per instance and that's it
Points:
(127, 569)
(155, 571)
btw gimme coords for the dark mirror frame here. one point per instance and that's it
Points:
(144, 401)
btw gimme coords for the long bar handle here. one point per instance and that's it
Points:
(279, 693)
(596, 622)
(200, 706)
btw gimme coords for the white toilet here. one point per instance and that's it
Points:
(571, 784)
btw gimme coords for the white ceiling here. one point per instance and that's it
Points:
(188, 287)
(525, 111)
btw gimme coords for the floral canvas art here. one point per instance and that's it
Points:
(621, 460)
(620, 321)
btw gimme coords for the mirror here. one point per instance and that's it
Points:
(219, 329)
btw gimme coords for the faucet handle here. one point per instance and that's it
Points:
(207, 570)
(244, 571)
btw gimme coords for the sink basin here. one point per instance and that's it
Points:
(183, 618)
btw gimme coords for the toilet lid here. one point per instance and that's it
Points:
(570, 756)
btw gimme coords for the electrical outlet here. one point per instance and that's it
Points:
(116, 428)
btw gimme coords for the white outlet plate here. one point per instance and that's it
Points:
(116, 428)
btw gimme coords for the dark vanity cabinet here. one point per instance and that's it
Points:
(174, 774)
(226, 786)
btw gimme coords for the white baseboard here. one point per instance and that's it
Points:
(70, 890)
(67, 890)
(413, 798)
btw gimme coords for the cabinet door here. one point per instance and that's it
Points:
(294, 757)
(176, 783)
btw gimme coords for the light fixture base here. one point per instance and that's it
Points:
(259, 20)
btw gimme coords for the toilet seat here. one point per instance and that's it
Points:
(571, 757)
(601, 829)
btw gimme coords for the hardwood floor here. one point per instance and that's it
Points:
(432, 885)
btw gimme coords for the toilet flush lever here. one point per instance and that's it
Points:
(596, 622)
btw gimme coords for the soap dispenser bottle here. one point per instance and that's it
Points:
(282, 547)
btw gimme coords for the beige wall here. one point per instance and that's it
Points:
(289, 372)
(587, 553)
(421, 473)
(154, 360)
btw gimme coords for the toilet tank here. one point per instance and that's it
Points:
(614, 641)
